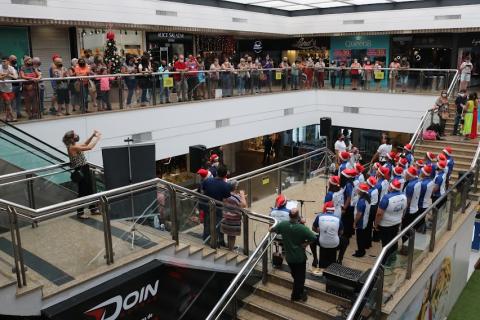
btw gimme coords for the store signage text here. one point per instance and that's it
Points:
(358, 43)
(302, 43)
(123, 303)
(258, 46)
(171, 36)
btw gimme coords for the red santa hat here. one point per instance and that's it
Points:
(344, 155)
(448, 151)
(203, 173)
(372, 181)
(412, 172)
(349, 173)
(408, 147)
(396, 185)
(214, 158)
(363, 187)
(427, 170)
(334, 180)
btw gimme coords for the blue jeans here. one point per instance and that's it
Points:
(295, 82)
(241, 85)
(164, 92)
(131, 85)
(144, 95)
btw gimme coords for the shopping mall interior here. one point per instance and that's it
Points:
(239, 159)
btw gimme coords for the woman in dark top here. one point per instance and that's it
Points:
(81, 174)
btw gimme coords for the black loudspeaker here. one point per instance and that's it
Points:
(125, 165)
(198, 157)
(325, 126)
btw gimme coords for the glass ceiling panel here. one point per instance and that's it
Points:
(292, 5)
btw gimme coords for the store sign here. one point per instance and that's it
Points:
(257, 46)
(265, 180)
(171, 36)
(353, 44)
(305, 44)
(153, 291)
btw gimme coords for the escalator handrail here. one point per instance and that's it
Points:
(33, 137)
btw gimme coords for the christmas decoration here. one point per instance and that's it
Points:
(222, 44)
(111, 58)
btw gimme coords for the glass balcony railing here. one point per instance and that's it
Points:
(80, 95)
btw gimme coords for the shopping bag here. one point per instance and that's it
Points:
(167, 82)
(218, 93)
(278, 75)
(379, 75)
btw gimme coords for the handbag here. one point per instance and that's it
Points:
(76, 175)
(429, 135)
(379, 75)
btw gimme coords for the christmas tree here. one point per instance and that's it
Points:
(111, 58)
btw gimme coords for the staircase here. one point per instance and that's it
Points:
(463, 150)
(272, 300)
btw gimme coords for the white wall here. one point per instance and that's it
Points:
(174, 128)
(143, 12)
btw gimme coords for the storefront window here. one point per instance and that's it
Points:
(345, 49)
(127, 41)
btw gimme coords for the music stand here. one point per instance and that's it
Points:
(302, 203)
(134, 232)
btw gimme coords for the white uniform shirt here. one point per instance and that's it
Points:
(328, 226)
(383, 150)
(340, 146)
(394, 205)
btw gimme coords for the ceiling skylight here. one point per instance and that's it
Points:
(293, 5)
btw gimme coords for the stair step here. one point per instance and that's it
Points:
(241, 259)
(438, 148)
(180, 247)
(274, 310)
(244, 314)
(194, 250)
(220, 255)
(279, 279)
(313, 307)
(207, 252)
(466, 144)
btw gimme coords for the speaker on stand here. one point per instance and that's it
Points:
(326, 131)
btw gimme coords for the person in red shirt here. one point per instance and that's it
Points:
(180, 78)
(192, 76)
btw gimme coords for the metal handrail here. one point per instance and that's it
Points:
(188, 72)
(403, 232)
(278, 165)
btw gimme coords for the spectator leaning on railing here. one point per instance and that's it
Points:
(7, 95)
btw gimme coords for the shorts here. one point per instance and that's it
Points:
(7, 96)
(465, 77)
(63, 96)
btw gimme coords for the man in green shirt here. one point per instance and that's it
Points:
(296, 237)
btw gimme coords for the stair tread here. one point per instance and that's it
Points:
(282, 310)
(181, 247)
(244, 314)
(312, 302)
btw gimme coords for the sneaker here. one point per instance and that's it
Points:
(82, 216)
(358, 254)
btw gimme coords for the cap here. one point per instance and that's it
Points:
(412, 172)
(427, 170)
(396, 185)
(398, 171)
(441, 165)
(55, 56)
(334, 180)
(442, 157)
(408, 147)
(363, 187)
(329, 207)
(391, 155)
(403, 161)
(384, 171)
(203, 172)
(349, 173)
(214, 158)
(280, 201)
(344, 155)
(448, 151)
(359, 167)
(420, 163)
(376, 165)
(431, 156)
(372, 181)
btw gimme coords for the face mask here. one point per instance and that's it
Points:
(29, 64)
(81, 64)
(14, 62)
(59, 65)
(444, 95)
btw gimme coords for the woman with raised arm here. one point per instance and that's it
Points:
(81, 174)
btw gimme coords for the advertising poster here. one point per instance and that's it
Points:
(432, 302)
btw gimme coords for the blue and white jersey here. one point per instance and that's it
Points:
(281, 214)
(348, 192)
(338, 202)
(401, 179)
(439, 181)
(394, 205)
(328, 197)
(410, 158)
(425, 199)
(328, 227)
(373, 192)
(356, 183)
(450, 164)
(363, 208)
(412, 192)
(434, 168)
(344, 165)
(382, 187)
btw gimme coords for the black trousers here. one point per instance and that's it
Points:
(361, 240)
(347, 221)
(327, 257)
(85, 186)
(342, 247)
(298, 271)
(408, 219)
(369, 229)
(386, 235)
